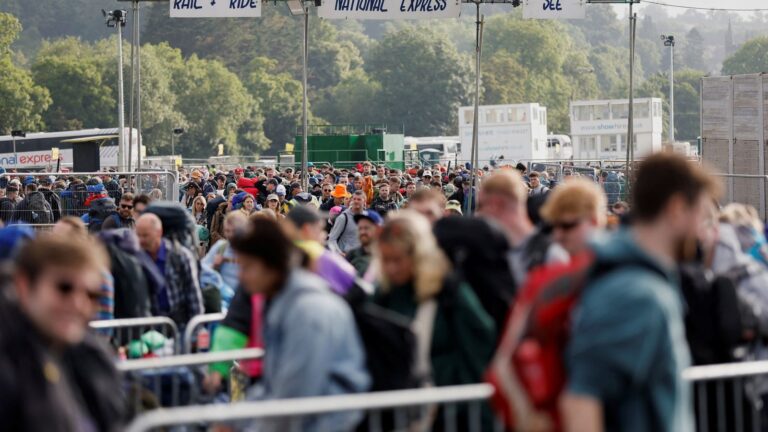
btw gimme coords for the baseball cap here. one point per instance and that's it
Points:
(239, 170)
(302, 215)
(371, 216)
(28, 180)
(280, 190)
(455, 206)
(273, 197)
(427, 173)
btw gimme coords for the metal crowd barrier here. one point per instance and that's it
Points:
(200, 323)
(730, 397)
(460, 410)
(160, 185)
(140, 336)
(173, 381)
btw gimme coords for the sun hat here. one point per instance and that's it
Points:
(340, 191)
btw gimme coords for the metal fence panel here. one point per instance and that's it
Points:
(137, 337)
(441, 408)
(160, 185)
(199, 331)
(173, 381)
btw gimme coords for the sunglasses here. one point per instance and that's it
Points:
(66, 288)
(127, 207)
(566, 226)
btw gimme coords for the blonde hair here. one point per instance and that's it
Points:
(156, 194)
(741, 214)
(194, 202)
(506, 182)
(411, 232)
(76, 225)
(576, 198)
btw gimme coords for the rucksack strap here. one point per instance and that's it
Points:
(536, 250)
(423, 326)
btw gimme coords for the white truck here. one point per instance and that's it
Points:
(507, 133)
(433, 150)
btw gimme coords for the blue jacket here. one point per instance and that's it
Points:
(312, 348)
(628, 347)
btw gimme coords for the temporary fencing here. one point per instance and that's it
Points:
(137, 337)
(730, 397)
(173, 381)
(198, 332)
(746, 189)
(454, 408)
(73, 199)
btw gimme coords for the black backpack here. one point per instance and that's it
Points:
(40, 212)
(478, 251)
(390, 345)
(178, 223)
(100, 210)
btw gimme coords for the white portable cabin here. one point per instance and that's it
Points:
(506, 133)
(599, 128)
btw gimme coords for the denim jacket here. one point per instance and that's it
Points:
(312, 348)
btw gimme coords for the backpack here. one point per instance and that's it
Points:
(100, 210)
(40, 212)
(527, 370)
(178, 223)
(478, 251)
(389, 343)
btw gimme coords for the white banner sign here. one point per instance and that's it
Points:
(554, 9)
(389, 9)
(215, 8)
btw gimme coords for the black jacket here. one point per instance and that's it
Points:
(33, 397)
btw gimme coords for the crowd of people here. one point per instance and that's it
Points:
(315, 276)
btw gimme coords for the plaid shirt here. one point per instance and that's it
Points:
(182, 283)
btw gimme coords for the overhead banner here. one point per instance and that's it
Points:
(215, 8)
(389, 9)
(554, 9)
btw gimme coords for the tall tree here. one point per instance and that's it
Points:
(219, 110)
(752, 57)
(687, 88)
(694, 51)
(280, 97)
(22, 102)
(426, 81)
(73, 73)
(354, 100)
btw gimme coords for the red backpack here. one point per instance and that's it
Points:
(528, 371)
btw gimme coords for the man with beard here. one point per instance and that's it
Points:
(369, 225)
(627, 350)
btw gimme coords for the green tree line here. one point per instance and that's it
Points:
(237, 82)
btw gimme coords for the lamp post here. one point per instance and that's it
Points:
(14, 134)
(299, 7)
(176, 132)
(631, 119)
(116, 18)
(669, 41)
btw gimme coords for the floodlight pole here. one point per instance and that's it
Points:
(475, 116)
(305, 120)
(121, 96)
(135, 31)
(631, 119)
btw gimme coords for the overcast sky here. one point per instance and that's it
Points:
(736, 4)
